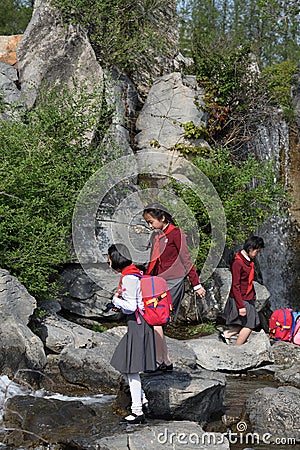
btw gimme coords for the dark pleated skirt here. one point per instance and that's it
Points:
(136, 350)
(232, 317)
(177, 291)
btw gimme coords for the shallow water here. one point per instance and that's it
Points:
(238, 389)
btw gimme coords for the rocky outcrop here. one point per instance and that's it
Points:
(61, 55)
(90, 367)
(22, 353)
(121, 98)
(275, 413)
(170, 104)
(165, 58)
(58, 333)
(15, 300)
(294, 163)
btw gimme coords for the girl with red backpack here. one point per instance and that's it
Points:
(240, 312)
(135, 352)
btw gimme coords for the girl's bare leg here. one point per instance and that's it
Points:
(162, 353)
(243, 336)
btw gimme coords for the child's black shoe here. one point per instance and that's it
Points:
(222, 337)
(133, 419)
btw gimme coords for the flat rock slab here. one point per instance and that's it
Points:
(89, 366)
(215, 355)
(169, 435)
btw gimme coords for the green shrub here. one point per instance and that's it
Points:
(119, 30)
(15, 16)
(277, 80)
(248, 193)
(45, 163)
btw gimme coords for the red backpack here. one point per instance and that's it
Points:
(157, 300)
(281, 324)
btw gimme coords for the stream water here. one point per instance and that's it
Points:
(238, 389)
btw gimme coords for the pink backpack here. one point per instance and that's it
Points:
(296, 331)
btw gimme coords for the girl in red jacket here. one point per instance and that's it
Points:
(169, 259)
(240, 312)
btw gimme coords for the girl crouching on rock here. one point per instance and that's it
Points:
(135, 352)
(240, 312)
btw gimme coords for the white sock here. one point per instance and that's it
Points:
(135, 387)
(144, 398)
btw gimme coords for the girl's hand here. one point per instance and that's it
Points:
(201, 292)
(242, 312)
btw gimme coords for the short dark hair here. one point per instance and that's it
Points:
(254, 243)
(120, 256)
(158, 211)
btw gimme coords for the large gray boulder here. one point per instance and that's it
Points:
(9, 90)
(215, 355)
(286, 367)
(274, 413)
(20, 349)
(83, 297)
(58, 333)
(169, 104)
(15, 300)
(32, 420)
(90, 367)
(54, 53)
(185, 395)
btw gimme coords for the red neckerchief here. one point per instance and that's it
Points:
(155, 251)
(251, 274)
(129, 270)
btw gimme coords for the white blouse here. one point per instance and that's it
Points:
(131, 295)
